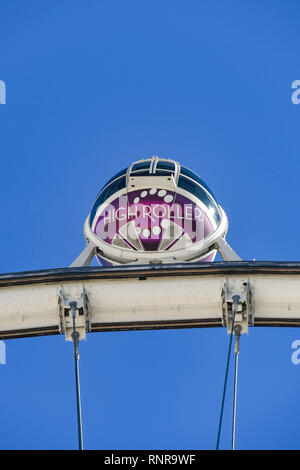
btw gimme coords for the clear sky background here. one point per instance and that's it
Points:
(91, 87)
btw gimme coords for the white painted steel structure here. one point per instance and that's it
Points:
(145, 297)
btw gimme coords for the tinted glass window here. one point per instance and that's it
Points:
(191, 174)
(166, 166)
(141, 166)
(193, 188)
(157, 173)
(106, 193)
(122, 172)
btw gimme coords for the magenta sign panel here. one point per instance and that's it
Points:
(152, 220)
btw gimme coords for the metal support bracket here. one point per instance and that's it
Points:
(225, 250)
(244, 316)
(66, 307)
(85, 257)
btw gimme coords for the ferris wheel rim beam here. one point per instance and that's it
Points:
(150, 270)
(101, 328)
(135, 297)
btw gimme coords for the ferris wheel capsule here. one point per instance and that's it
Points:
(155, 211)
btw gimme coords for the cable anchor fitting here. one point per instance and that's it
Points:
(240, 300)
(76, 308)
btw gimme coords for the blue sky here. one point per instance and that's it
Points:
(91, 87)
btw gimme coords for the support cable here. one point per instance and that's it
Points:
(235, 305)
(75, 337)
(237, 332)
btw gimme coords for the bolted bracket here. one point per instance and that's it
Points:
(67, 307)
(244, 316)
